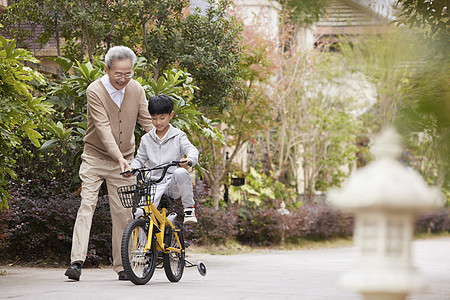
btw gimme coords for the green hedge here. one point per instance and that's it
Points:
(39, 224)
(40, 221)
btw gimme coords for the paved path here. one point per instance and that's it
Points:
(302, 274)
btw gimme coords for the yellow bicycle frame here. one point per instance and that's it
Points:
(159, 220)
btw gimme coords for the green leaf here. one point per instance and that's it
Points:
(10, 172)
(34, 136)
(65, 63)
(49, 144)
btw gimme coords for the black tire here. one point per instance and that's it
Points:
(173, 261)
(201, 268)
(138, 263)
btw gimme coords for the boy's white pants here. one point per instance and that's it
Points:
(175, 186)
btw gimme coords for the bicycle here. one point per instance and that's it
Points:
(154, 238)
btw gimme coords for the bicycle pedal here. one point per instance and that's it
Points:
(172, 216)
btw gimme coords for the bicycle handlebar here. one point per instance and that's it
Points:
(164, 167)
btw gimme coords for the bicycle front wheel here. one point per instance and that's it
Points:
(173, 261)
(138, 263)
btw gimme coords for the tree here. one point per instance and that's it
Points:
(210, 51)
(386, 61)
(206, 45)
(297, 14)
(20, 111)
(21, 19)
(82, 24)
(430, 18)
(315, 130)
(156, 26)
(303, 11)
(247, 114)
(425, 111)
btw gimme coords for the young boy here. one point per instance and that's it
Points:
(163, 144)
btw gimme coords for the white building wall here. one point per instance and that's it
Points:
(264, 13)
(385, 8)
(305, 38)
(264, 16)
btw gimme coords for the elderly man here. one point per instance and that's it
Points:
(114, 103)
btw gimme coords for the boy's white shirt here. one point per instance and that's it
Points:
(160, 140)
(115, 94)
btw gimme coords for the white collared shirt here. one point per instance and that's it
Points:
(160, 140)
(115, 94)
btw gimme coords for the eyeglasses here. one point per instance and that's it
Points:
(119, 76)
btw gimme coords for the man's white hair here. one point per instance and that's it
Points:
(119, 53)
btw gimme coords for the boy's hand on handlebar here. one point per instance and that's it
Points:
(185, 162)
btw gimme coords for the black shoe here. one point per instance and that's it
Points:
(123, 275)
(74, 271)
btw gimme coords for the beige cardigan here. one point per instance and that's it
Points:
(110, 132)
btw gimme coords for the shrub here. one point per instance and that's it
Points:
(36, 222)
(437, 221)
(312, 221)
(213, 227)
(40, 220)
(39, 224)
(259, 226)
(322, 221)
(262, 190)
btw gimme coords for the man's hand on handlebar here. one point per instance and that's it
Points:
(124, 167)
(127, 173)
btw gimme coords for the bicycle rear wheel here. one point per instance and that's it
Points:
(138, 263)
(173, 261)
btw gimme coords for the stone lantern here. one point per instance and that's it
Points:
(386, 198)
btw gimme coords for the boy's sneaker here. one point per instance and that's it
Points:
(189, 216)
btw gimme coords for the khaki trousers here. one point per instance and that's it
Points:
(93, 171)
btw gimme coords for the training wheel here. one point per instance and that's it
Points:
(201, 268)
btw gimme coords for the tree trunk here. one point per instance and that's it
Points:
(157, 69)
(58, 45)
(88, 42)
(215, 193)
(268, 150)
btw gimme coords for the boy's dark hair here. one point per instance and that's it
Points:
(161, 104)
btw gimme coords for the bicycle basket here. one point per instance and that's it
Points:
(136, 195)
